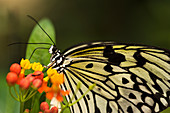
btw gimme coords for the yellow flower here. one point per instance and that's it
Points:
(46, 78)
(51, 72)
(54, 76)
(22, 71)
(25, 64)
(37, 66)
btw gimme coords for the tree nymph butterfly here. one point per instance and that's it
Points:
(129, 78)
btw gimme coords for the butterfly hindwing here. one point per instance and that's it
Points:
(129, 78)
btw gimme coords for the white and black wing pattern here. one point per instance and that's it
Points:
(129, 78)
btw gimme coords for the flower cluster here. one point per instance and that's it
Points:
(36, 83)
(17, 75)
(55, 90)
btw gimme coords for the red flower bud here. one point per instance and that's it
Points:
(54, 110)
(47, 111)
(16, 68)
(11, 78)
(21, 76)
(44, 106)
(26, 111)
(40, 112)
(37, 83)
(30, 77)
(24, 84)
(38, 74)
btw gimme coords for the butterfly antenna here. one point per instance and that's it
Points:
(35, 50)
(41, 28)
(26, 43)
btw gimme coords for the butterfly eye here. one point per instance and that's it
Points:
(55, 50)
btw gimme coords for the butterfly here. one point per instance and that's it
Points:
(129, 78)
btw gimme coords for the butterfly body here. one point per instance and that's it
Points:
(129, 78)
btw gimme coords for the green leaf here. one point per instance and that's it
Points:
(38, 36)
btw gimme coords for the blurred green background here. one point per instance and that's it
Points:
(78, 21)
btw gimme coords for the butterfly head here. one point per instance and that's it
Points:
(53, 50)
(57, 59)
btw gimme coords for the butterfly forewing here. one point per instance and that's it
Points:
(129, 78)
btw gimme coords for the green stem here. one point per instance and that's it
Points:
(30, 95)
(21, 107)
(79, 98)
(90, 88)
(17, 99)
(20, 95)
(75, 93)
(68, 105)
(16, 92)
(25, 94)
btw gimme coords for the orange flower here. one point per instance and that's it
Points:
(50, 73)
(57, 78)
(64, 93)
(43, 87)
(54, 76)
(55, 91)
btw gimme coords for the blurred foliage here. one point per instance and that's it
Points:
(7, 103)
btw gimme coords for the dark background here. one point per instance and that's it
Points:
(78, 21)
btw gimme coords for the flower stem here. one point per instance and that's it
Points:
(68, 105)
(16, 92)
(20, 95)
(12, 94)
(25, 94)
(21, 107)
(32, 93)
(78, 87)
(78, 99)
(90, 88)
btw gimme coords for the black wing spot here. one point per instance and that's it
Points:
(113, 57)
(90, 65)
(108, 68)
(99, 89)
(132, 96)
(129, 109)
(109, 110)
(97, 110)
(169, 81)
(88, 97)
(125, 81)
(140, 60)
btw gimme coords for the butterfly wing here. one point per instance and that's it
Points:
(129, 78)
